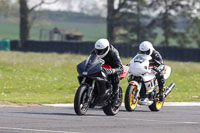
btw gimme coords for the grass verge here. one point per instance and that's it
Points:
(39, 78)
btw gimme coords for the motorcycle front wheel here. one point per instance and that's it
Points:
(130, 98)
(81, 100)
(113, 109)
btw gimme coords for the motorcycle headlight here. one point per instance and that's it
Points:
(85, 73)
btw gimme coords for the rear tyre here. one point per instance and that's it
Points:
(130, 98)
(113, 109)
(157, 105)
(81, 100)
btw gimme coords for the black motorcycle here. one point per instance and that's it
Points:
(95, 88)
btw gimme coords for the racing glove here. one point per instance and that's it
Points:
(112, 71)
(107, 71)
(159, 69)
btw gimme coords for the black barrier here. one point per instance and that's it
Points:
(125, 50)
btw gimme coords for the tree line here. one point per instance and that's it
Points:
(176, 21)
(130, 21)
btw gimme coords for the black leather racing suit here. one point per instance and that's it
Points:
(158, 65)
(113, 59)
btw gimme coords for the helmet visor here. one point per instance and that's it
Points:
(101, 51)
(145, 52)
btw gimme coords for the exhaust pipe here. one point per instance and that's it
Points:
(169, 89)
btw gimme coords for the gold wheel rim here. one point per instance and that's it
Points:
(159, 104)
(133, 102)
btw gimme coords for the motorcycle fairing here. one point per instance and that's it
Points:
(167, 72)
(139, 64)
(90, 66)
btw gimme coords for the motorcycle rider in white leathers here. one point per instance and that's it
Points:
(147, 48)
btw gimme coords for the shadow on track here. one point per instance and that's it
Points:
(137, 110)
(58, 114)
(40, 113)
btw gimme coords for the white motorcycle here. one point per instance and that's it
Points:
(143, 86)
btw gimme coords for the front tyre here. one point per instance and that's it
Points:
(81, 100)
(130, 98)
(157, 105)
(113, 109)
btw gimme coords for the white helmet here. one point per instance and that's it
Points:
(146, 48)
(102, 47)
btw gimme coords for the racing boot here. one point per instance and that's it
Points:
(161, 82)
(115, 83)
(161, 96)
(115, 99)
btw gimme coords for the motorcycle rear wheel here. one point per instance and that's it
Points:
(111, 109)
(157, 105)
(80, 101)
(130, 99)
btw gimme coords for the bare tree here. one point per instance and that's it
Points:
(113, 17)
(169, 10)
(193, 28)
(25, 20)
(134, 22)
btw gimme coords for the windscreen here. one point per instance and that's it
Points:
(139, 58)
(93, 64)
(92, 60)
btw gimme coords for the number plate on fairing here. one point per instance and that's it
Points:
(150, 82)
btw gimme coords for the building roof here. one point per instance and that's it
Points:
(67, 31)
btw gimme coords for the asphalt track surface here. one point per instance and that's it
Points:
(171, 119)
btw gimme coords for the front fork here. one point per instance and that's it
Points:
(90, 89)
(138, 85)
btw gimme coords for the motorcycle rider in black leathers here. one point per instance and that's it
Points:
(110, 55)
(157, 63)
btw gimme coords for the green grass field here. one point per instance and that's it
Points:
(10, 30)
(38, 78)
